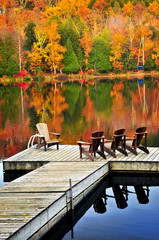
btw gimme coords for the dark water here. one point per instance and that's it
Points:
(127, 211)
(76, 109)
(135, 222)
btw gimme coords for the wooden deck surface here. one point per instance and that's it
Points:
(32, 195)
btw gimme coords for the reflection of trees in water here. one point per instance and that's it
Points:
(75, 97)
(102, 99)
(10, 105)
(74, 110)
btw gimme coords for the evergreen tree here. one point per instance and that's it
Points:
(8, 63)
(30, 36)
(116, 7)
(150, 63)
(69, 30)
(99, 56)
(70, 59)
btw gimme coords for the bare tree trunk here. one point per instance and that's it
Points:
(139, 55)
(20, 60)
(143, 50)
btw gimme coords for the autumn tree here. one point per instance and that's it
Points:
(4, 5)
(86, 44)
(19, 20)
(71, 7)
(35, 58)
(116, 50)
(53, 52)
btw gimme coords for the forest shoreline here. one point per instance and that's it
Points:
(130, 75)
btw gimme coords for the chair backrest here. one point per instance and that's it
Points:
(43, 130)
(140, 133)
(96, 139)
(141, 195)
(119, 197)
(118, 135)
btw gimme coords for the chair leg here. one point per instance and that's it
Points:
(102, 154)
(88, 155)
(39, 145)
(45, 146)
(80, 152)
(144, 149)
(123, 151)
(131, 149)
(110, 152)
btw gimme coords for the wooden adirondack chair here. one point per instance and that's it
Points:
(44, 135)
(95, 146)
(134, 143)
(117, 143)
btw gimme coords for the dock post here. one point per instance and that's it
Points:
(71, 199)
(72, 207)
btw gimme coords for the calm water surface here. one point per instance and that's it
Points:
(136, 221)
(121, 207)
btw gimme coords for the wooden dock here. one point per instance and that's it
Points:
(31, 204)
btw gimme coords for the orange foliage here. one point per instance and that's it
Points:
(71, 7)
(84, 12)
(154, 8)
(100, 5)
(128, 9)
(86, 43)
(53, 48)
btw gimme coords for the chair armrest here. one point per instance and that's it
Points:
(83, 143)
(130, 138)
(108, 140)
(97, 137)
(56, 134)
(41, 136)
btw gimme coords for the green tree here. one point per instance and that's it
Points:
(99, 56)
(69, 30)
(116, 7)
(150, 63)
(8, 63)
(70, 59)
(30, 36)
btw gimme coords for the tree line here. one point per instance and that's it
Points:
(72, 36)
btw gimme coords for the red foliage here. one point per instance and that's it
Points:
(23, 85)
(23, 73)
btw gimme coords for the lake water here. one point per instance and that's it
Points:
(119, 211)
(76, 109)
